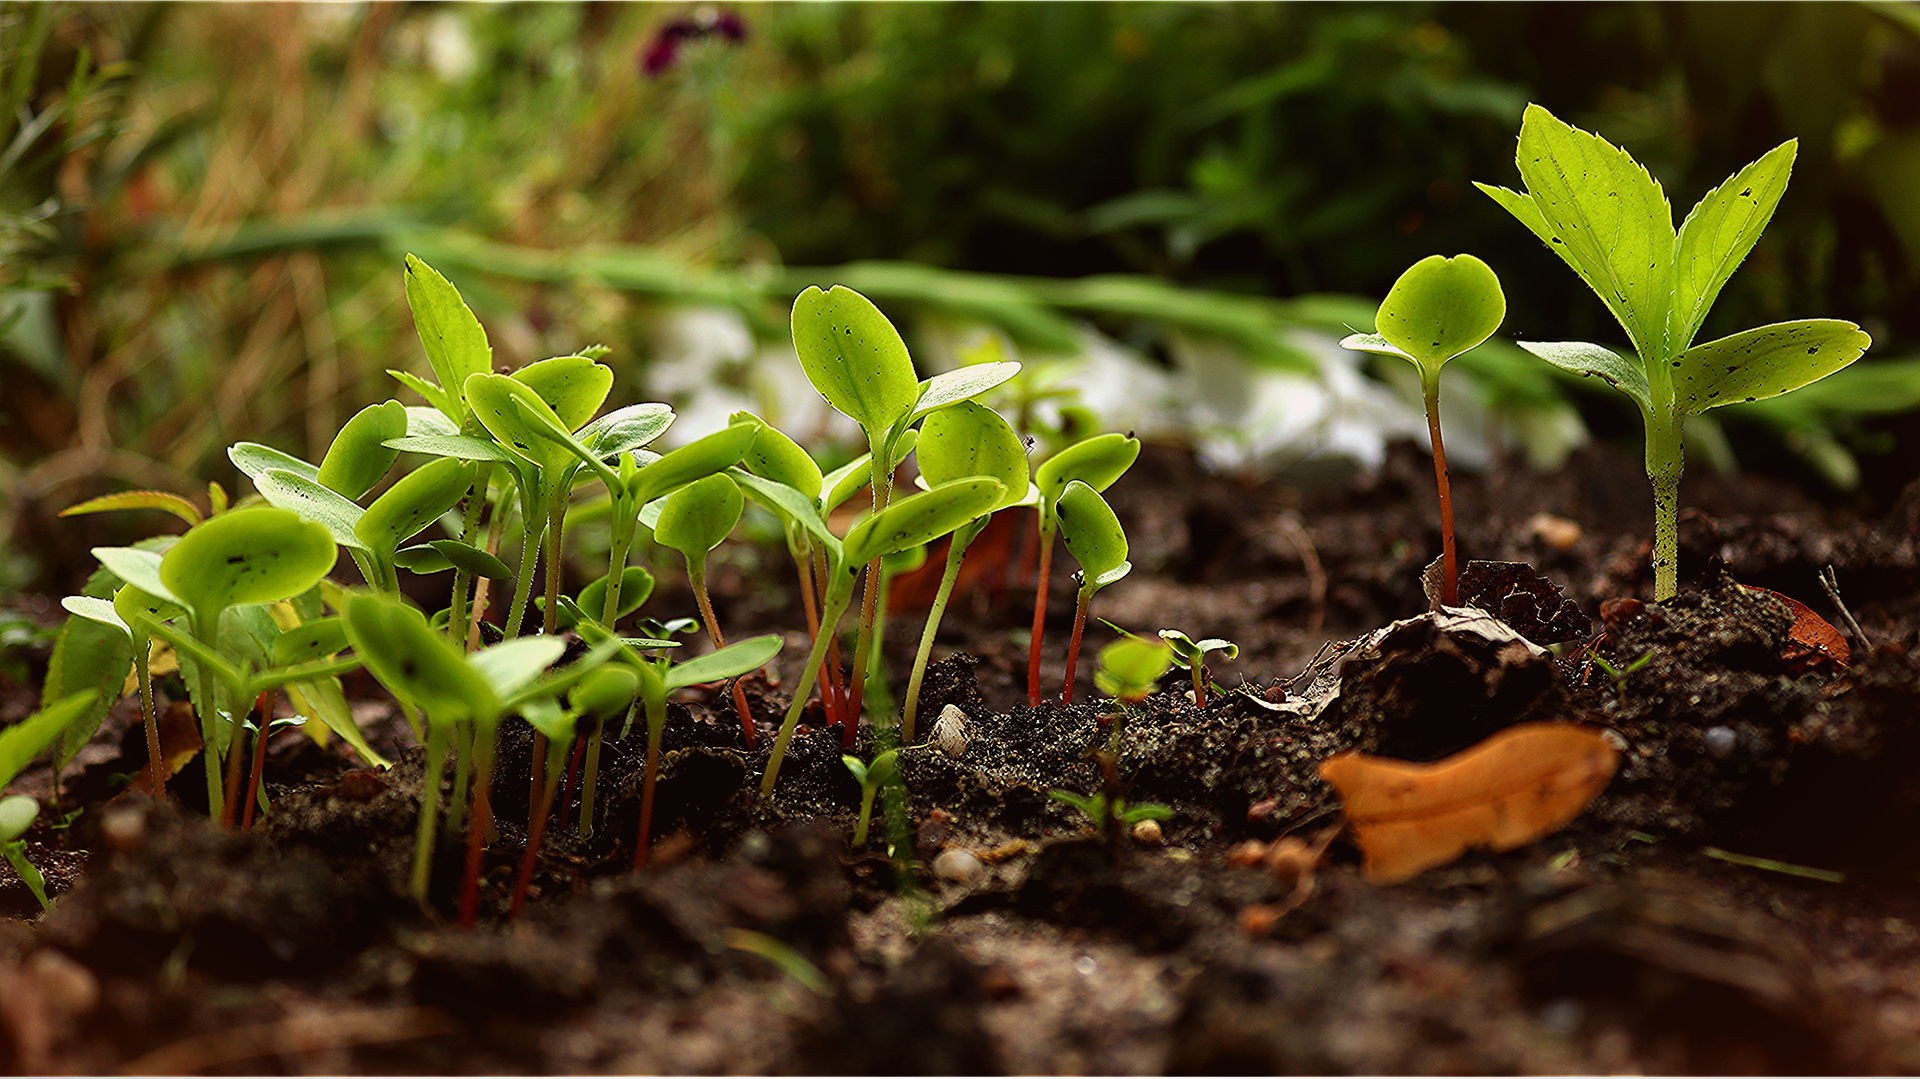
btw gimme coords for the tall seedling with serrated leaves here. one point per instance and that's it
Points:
(1438, 309)
(1600, 211)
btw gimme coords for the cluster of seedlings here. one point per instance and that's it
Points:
(245, 606)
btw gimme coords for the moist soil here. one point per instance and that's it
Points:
(1742, 896)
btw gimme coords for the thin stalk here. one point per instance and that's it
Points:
(496, 530)
(460, 611)
(867, 791)
(573, 778)
(1449, 586)
(438, 738)
(655, 693)
(697, 576)
(829, 624)
(1045, 539)
(156, 769)
(590, 780)
(956, 551)
(862, 642)
(1073, 645)
(523, 576)
(259, 765)
(462, 778)
(537, 830)
(236, 760)
(556, 527)
(210, 730)
(478, 824)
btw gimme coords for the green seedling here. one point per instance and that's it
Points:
(1096, 462)
(857, 361)
(17, 812)
(1438, 309)
(910, 521)
(1103, 814)
(963, 439)
(1593, 205)
(1130, 668)
(1192, 655)
(1095, 539)
(659, 677)
(694, 520)
(885, 769)
(119, 614)
(599, 696)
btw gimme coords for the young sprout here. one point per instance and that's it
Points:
(17, 812)
(1438, 309)
(963, 439)
(1192, 655)
(120, 614)
(885, 769)
(1096, 462)
(1593, 205)
(19, 745)
(602, 694)
(1094, 537)
(693, 521)
(1104, 815)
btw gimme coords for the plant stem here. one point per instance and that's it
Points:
(438, 736)
(156, 768)
(259, 765)
(461, 611)
(1045, 537)
(1665, 461)
(523, 577)
(1073, 646)
(1449, 573)
(478, 824)
(697, 576)
(236, 759)
(537, 829)
(209, 721)
(837, 600)
(573, 778)
(867, 791)
(956, 551)
(656, 727)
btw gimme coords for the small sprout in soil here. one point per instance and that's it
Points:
(1438, 309)
(1130, 668)
(885, 769)
(1096, 462)
(1619, 675)
(1192, 655)
(17, 812)
(694, 520)
(1095, 539)
(1593, 205)
(1103, 814)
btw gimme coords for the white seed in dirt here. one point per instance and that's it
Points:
(958, 866)
(1720, 742)
(1147, 833)
(952, 732)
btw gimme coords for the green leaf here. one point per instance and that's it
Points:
(855, 358)
(421, 559)
(513, 664)
(962, 384)
(625, 429)
(322, 699)
(414, 502)
(359, 457)
(920, 518)
(467, 558)
(137, 567)
(636, 584)
(1441, 307)
(519, 419)
(1585, 359)
(735, 659)
(465, 447)
(416, 663)
(1092, 534)
(1606, 217)
(788, 503)
(968, 439)
(697, 517)
(308, 500)
(17, 813)
(166, 501)
(446, 404)
(606, 691)
(320, 638)
(1764, 361)
(254, 460)
(1189, 650)
(97, 610)
(841, 484)
(1130, 668)
(27, 739)
(776, 457)
(455, 343)
(573, 386)
(701, 457)
(1096, 462)
(255, 555)
(1718, 233)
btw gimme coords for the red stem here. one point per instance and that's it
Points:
(535, 836)
(1039, 613)
(479, 820)
(1073, 646)
(1449, 580)
(573, 773)
(646, 802)
(261, 708)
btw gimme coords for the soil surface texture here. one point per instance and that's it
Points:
(1741, 897)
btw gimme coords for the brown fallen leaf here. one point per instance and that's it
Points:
(1812, 641)
(1526, 782)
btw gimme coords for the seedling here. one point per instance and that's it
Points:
(857, 361)
(1096, 462)
(1438, 309)
(693, 521)
(1094, 537)
(1103, 814)
(1597, 208)
(885, 769)
(1130, 668)
(19, 745)
(1192, 655)
(963, 439)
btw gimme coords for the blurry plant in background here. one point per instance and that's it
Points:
(200, 203)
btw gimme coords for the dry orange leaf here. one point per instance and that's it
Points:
(1812, 639)
(1526, 782)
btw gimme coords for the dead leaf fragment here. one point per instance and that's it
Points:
(1812, 641)
(1526, 782)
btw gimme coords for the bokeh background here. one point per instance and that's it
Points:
(203, 209)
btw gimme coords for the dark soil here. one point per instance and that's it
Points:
(1741, 898)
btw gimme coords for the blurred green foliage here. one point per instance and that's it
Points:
(203, 206)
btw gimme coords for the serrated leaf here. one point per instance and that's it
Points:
(358, 458)
(855, 358)
(454, 341)
(1609, 216)
(1583, 358)
(1764, 361)
(1718, 233)
(165, 501)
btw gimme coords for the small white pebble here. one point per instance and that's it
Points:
(124, 829)
(950, 731)
(1721, 742)
(1147, 833)
(958, 866)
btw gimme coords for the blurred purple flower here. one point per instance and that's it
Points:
(664, 49)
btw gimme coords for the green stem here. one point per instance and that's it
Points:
(837, 600)
(523, 576)
(956, 551)
(556, 526)
(460, 610)
(156, 768)
(1449, 587)
(867, 791)
(438, 737)
(210, 721)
